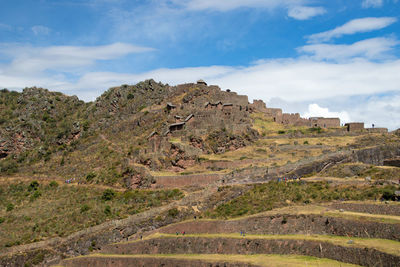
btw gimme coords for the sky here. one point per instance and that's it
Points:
(332, 58)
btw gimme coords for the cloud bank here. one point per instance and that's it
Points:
(314, 110)
(352, 27)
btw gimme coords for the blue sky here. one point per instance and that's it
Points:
(329, 58)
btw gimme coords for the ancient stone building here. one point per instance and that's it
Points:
(354, 126)
(324, 122)
(276, 114)
(202, 82)
(294, 119)
(258, 105)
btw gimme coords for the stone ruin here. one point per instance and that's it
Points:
(204, 109)
(294, 118)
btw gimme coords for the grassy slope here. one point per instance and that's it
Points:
(263, 197)
(28, 215)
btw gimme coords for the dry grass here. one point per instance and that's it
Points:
(261, 260)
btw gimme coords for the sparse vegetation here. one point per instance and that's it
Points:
(263, 197)
(67, 209)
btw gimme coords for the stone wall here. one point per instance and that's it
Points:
(258, 105)
(201, 245)
(185, 180)
(355, 126)
(395, 162)
(294, 119)
(275, 113)
(310, 224)
(122, 261)
(377, 130)
(325, 122)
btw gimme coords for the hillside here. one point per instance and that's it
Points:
(144, 162)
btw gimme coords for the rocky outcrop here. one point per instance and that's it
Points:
(221, 141)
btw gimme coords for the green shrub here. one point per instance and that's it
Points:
(8, 166)
(90, 176)
(10, 207)
(108, 194)
(388, 194)
(85, 208)
(36, 195)
(173, 212)
(107, 210)
(305, 142)
(2, 220)
(281, 132)
(53, 184)
(34, 185)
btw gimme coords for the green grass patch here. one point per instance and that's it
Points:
(264, 197)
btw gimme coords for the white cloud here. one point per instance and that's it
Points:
(40, 30)
(29, 59)
(290, 79)
(305, 12)
(374, 48)
(352, 27)
(372, 3)
(314, 110)
(297, 9)
(5, 27)
(225, 5)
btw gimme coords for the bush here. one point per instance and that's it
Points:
(2, 220)
(90, 176)
(8, 166)
(53, 184)
(281, 132)
(173, 212)
(85, 208)
(10, 207)
(388, 194)
(34, 185)
(36, 195)
(107, 210)
(108, 194)
(305, 142)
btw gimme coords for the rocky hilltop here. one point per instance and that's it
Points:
(116, 179)
(148, 127)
